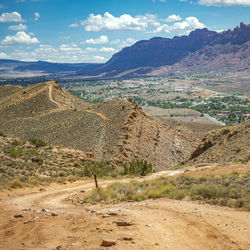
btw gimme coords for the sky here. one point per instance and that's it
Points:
(91, 31)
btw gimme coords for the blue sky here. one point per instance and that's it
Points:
(93, 30)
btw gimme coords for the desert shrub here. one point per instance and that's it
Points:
(72, 178)
(31, 152)
(38, 142)
(230, 190)
(16, 143)
(99, 168)
(138, 167)
(62, 173)
(2, 170)
(16, 183)
(15, 152)
(2, 134)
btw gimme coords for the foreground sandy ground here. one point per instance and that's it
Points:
(156, 224)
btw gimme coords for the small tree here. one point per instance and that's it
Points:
(138, 167)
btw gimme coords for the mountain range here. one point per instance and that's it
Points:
(201, 51)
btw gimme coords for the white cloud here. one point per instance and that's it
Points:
(72, 48)
(65, 53)
(108, 22)
(108, 50)
(18, 27)
(99, 59)
(123, 43)
(11, 17)
(20, 38)
(184, 27)
(159, 0)
(173, 18)
(89, 49)
(37, 16)
(74, 25)
(99, 40)
(225, 2)
(3, 55)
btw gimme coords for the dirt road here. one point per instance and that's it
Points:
(156, 224)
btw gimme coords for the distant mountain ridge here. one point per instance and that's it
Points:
(146, 55)
(13, 67)
(201, 51)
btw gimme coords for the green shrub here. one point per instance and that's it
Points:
(38, 142)
(15, 152)
(229, 190)
(99, 168)
(2, 134)
(138, 167)
(32, 152)
(62, 173)
(16, 183)
(16, 143)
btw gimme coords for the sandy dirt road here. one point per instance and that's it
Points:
(156, 224)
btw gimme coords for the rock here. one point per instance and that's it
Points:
(54, 214)
(105, 216)
(42, 189)
(123, 223)
(18, 216)
(45, 210)
(128, 238)
(27, 221)
(82, 191)
(37, 160)
(59, 248)
(108, 243)
(112, 213)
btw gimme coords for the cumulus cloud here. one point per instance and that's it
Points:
(184, 27)
(65, 53)
(11, 17)
(173, 18)
(108, 50)
(224, 2)
(123, 43)
(18, 27)
(74, 25)
(70, 48)
(37, 16)
(99, 40)
(100, 59)
(89, 49)
(108, 22)
(20, 38)
(3, 55)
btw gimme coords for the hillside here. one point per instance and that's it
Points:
(224, 145)
(115, 131)
(35, 162)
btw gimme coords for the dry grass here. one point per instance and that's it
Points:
(226, 190)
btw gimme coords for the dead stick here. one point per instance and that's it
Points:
(96, 184)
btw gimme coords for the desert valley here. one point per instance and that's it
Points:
(147, 150)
